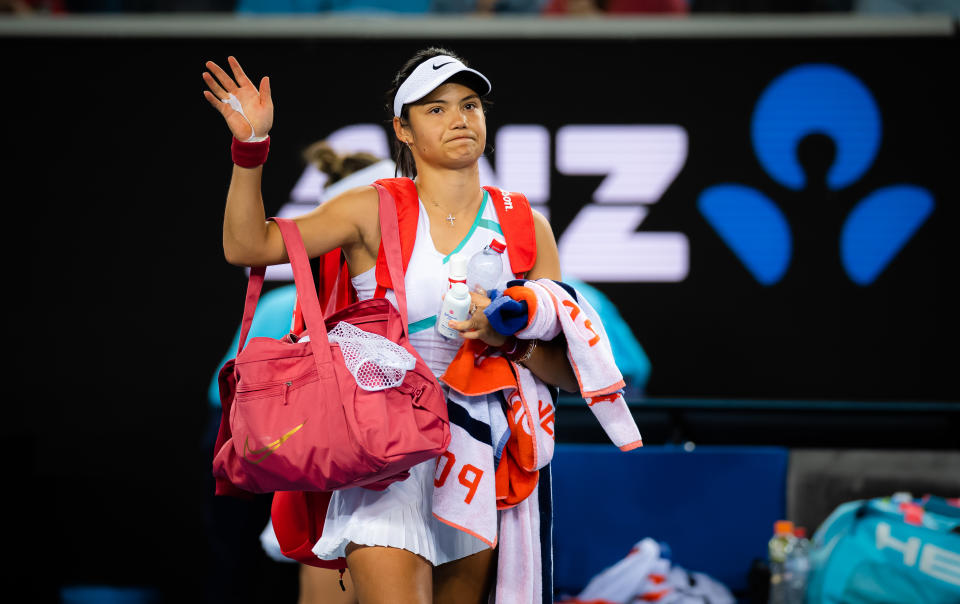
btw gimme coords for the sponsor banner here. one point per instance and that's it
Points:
(774, 219)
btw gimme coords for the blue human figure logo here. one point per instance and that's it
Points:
(826, 100)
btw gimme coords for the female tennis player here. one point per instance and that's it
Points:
(395, 549)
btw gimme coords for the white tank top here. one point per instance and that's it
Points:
(426, 281)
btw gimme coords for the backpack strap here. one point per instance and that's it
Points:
(516, 220)
(404, 193)
(334, 288)
(513, 212)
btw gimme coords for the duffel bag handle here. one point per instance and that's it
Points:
(254, 287)
(390, 237)
(307, 294)
(303, 277)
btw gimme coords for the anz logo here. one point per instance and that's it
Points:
(605, 240)
(826, 100)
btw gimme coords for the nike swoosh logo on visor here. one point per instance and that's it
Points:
(436, 67)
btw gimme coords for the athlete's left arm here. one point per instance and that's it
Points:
(549, 359)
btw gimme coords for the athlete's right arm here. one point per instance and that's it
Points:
(348, 221)
(248, 239)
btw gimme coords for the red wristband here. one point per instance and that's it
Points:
(249, 155)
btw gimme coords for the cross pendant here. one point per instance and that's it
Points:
(450, 219)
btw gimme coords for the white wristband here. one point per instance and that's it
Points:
(234, 103)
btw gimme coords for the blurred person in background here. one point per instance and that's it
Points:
(55, 7)
(487, 7)
(332, 6)
(618, 7)
(907, 7)
(33, 7)
(770, 6)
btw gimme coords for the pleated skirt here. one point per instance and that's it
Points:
(400, 516)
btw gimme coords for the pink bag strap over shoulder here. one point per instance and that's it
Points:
(307, 293)
(390, 237)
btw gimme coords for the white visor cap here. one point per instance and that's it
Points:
(430, 74)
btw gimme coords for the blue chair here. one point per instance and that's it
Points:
(714, 506)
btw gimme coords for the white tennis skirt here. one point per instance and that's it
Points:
(400, 516)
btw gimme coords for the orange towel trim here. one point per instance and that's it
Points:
(513, 483)
(612, 389)
(466, 377)
(653, 596)
(490, 544)
(515, 476)
(606, 398)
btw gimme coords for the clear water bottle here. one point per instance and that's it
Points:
(485, 267)
(782, 538)
(797, 566)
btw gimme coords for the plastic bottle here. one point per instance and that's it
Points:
(458, 270)
(797, 566)
(456, 306)
(902, 497)
(782, 537)
(484, 268)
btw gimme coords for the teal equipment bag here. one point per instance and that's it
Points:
(886, 550)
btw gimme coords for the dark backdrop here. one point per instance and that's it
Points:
(121, 170)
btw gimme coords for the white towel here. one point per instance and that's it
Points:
(520, 567)
(465, 494)
(465, 489)
(622, 581)
(644, 575)
(590, 354)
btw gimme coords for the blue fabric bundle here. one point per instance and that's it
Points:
(506, 315)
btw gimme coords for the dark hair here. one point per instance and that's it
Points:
(401, 153)
(336, 166)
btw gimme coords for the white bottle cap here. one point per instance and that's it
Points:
(459, 291)
(458, 267)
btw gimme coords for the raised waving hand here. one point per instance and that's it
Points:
(256, 117)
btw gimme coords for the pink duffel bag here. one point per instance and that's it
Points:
(294, 416)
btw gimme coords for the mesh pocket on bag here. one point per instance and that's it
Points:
(375, 362)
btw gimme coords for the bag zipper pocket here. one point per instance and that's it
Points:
(268, 389)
